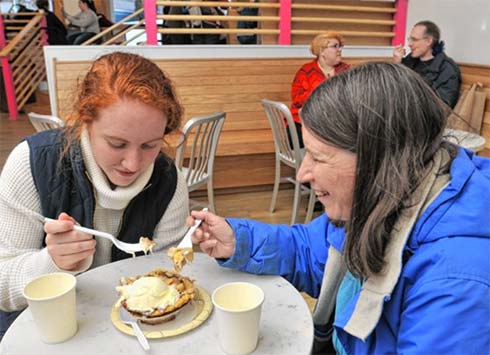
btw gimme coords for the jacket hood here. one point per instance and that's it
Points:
(463, 207)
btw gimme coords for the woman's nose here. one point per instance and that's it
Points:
(132, 160)
(304, 172)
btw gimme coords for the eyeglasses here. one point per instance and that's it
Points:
(336, 46)
(413, 39)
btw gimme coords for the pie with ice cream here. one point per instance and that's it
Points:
(155, 297)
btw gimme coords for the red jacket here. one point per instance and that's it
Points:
(306, 80)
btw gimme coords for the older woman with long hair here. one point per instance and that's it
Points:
(327, 49)
(399, 260)
(105, 170)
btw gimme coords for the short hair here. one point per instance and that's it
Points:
(393, 121)
(322, 40)
(123, 75)
(431, 30)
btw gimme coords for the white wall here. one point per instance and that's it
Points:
(465, 26)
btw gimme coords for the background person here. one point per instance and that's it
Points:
(427, 58)
(56, 29)
(86, 20)
(105, 170)
(247, 11)
(401, 253)
(206, 38)
(176, 38)
(327, 48)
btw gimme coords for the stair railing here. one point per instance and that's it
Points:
(21, 56)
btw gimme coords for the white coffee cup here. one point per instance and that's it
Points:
(52, 301)
(238, 307)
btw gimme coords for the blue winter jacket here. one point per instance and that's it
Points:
(441, 302)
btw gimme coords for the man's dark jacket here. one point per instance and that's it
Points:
(441, 73)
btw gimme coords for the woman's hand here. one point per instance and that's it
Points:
(67, 247)
(214, 236)
(398, 53)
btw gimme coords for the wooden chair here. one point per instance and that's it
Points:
(292, 156)
(201, 135)
(44, 122)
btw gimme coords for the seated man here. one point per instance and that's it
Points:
(427, 58)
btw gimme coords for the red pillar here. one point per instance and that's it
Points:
(285, 22)
(150, 8)
(44, 32)
(7, 77)
(400, 22)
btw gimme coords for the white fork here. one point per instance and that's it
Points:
(127, 319)
(186, 242)
(129, 248)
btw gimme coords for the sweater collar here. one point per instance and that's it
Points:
(106, 197)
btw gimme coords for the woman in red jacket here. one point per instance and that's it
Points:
(327, 47)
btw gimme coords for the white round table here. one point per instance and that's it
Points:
(465, 139)
(286, 322)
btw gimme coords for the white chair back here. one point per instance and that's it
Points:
(288, 153)
(198, 150)
(279, 115)
(44, 122)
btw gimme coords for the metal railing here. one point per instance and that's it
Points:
(279, 20)
(22, 36)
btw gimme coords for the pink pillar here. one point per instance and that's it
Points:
(285, 22)
(150, 8)
(400, 22)
(7, 77)
(44, 32)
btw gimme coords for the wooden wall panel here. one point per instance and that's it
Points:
(245, 155)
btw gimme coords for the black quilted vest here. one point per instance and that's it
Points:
(63, 186)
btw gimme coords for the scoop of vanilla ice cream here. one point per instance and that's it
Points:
(147, 294)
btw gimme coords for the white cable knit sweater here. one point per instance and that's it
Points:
(21, 254)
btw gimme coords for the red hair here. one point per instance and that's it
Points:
(322, 40)
(123, 75)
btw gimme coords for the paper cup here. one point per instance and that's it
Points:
(52, 301)
(238, 307)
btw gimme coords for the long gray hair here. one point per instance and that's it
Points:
(394, 122)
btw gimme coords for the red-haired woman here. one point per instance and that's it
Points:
(327, 48)
(104, 170)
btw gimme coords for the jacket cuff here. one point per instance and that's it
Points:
(243, 245)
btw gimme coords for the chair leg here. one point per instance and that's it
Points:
(211, 195)
(297, 199)
(277, 179)
(311, 206)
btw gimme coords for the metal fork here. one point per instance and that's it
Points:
(129, 248)
(127, 319)
(186, 242)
